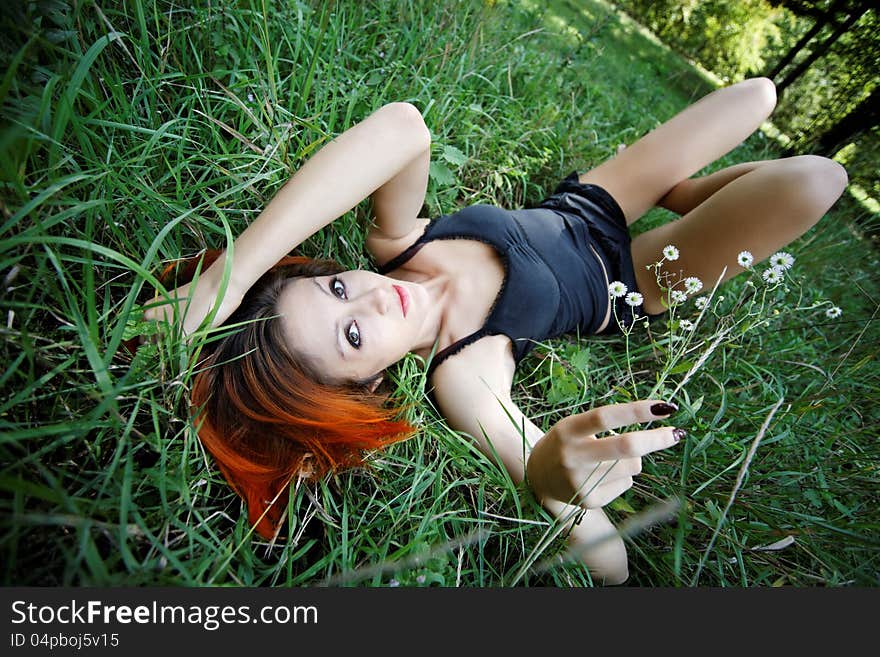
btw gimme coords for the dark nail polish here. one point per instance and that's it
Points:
(663, 408)
(678, 434)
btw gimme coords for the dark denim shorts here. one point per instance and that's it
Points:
(608, 228)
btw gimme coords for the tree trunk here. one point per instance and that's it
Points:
(795, 49)
(821, 49)
(864, 117)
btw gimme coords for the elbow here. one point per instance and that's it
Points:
(407, 120)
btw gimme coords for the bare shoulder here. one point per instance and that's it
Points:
(472, 388)
(383, 248)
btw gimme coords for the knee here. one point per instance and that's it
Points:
(818, 180)
(762, 92)
(832, 173)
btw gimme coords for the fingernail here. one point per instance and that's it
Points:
(678, 434)
(663, 408)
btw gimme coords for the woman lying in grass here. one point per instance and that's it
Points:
(290, 388)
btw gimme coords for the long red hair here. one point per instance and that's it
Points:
(263, 414)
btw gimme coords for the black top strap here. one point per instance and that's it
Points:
(454, 348)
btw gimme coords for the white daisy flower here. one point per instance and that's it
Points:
(701, 302)
(686, 325)
(745, 259)
(617, 289)
(677, 296)
(782, 259)
(693, 284)
(670, 252)
(833, 312)
(634, 299)
(772, 275)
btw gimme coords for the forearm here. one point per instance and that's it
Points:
(592, 538)
(513, 450)
(512, 440)
(398, 202)
(332, 182)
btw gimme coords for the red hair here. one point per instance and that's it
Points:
(261, 411)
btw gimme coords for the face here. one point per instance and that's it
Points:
(352, 325)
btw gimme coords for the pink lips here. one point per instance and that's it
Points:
(404, 298)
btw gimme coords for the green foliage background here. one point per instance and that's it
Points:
(735, 39)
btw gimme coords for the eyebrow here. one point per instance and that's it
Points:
(336, 330)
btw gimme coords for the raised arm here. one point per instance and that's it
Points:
(568, 467)
(377, 156)
(338, 177)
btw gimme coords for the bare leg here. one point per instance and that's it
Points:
(756, 206)
(645, 172)
(688, 194)
(759, 211)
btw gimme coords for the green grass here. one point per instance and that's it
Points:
(122, 152)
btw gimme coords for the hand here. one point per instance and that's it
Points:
(194, 302)
(570, 464)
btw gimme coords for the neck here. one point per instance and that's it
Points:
(439, 294)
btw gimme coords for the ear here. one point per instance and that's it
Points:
(375, 381)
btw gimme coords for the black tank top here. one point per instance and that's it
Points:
(553, 281)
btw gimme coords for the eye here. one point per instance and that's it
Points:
(337, 287)
(354, 335)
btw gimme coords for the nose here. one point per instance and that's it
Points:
(379, 299)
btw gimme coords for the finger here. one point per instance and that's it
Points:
(606, 493)
(632, 444)
(606, 469)
(615, 416)
(630, 467)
